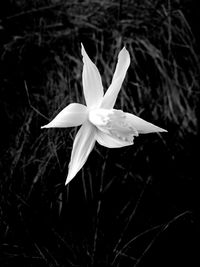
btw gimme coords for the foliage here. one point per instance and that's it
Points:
(109, 215)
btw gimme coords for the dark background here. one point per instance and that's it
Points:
(134, 206)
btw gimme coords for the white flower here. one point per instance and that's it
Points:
(100, 122)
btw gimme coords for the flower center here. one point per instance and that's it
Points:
(114, 123)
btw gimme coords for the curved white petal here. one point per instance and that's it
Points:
(92, 84)
(141, 125)
(73, 115)
(118, 78)
(82, 146)
(109, 141)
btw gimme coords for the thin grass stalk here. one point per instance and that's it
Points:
(98, 211)
(129, 220)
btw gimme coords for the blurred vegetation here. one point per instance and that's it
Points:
(122, 201)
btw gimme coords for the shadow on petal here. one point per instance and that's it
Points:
(73, 115)
(111, 141)
(83, 144)
(141, 125)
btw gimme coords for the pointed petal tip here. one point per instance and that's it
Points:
(124, 52)
(69, 178)
(67, 181)
(161, 130)
(124, 49)
(70, 175)
(154, 129)
(44, 126)
(141, 125)
(165, 131)
(47, 126)
(83, 52)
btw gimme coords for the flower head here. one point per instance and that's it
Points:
(99, 121)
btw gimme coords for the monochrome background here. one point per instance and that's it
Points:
(133, 206)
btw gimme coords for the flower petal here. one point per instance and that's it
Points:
(118, 78)
(141, 125)
(110, 141)
(72, 115)
(92, 84)
(83, 144)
